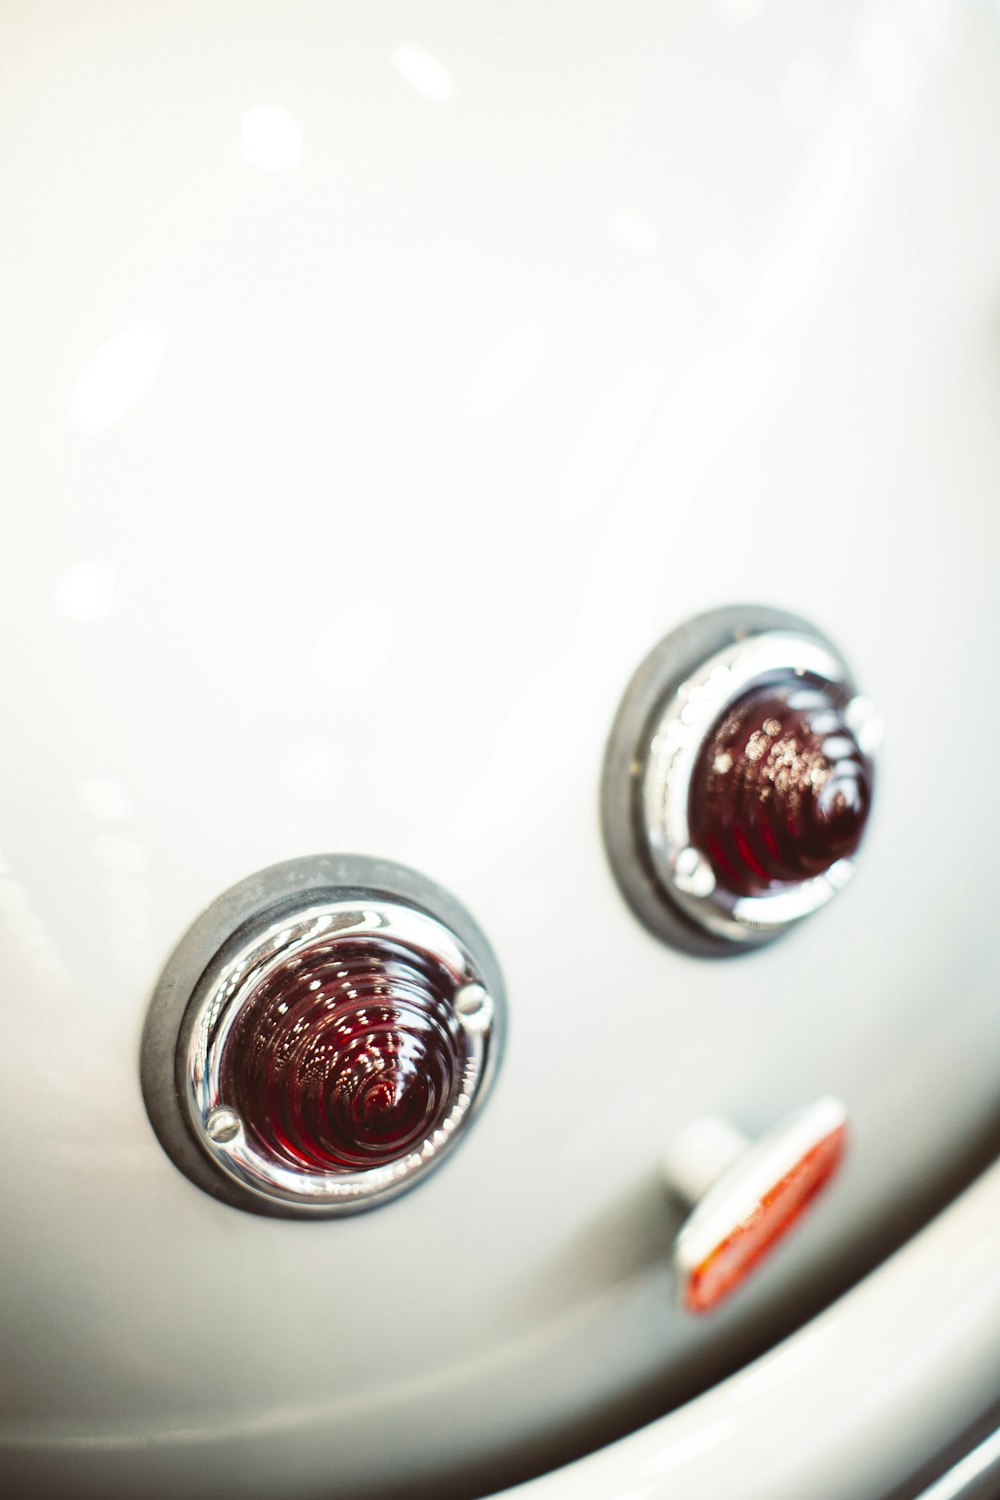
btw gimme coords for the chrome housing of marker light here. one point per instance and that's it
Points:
(681, 690)
(270, 925)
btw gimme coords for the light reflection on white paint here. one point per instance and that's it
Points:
(124, 890)
(129, 916)
(507, 370)
(878, 95)
(721, 265)
(688, 1448)
(118, 855)
(817, 220)
(13, 898)
(271, 139)
(424, 73)
(21, 925)
(724, 388)
(609, 438)
(891, 62)
(739, 10)
(86, 592)
(360, 632)
(311, 771)
(936, 20)
(977, 1264)
(290, 837)
(118, 376)
(104, 799)
(785, 1363)
(103, 1158)
(805, 91)
(634, 230)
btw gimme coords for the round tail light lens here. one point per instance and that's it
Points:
(333, 1046)
(737, 780)
(348, 1056)
(781, 789)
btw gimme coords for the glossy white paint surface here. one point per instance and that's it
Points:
(385, 383)
(857, 1401)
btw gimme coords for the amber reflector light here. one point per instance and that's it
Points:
(781, 790)
(731, 1261)
(347, 1057)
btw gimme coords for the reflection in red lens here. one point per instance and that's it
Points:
(347, 1057)
(781, 790)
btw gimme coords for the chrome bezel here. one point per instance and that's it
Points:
(226, 988)
(674, 701)
(281, 914)
(684, 724)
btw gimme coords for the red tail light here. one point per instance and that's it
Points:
(322, 1036)
(347, 1057)
(781, 790)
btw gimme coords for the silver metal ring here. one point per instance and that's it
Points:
(282, 919)
(675, 699)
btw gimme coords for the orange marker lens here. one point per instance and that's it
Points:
(731, 1261)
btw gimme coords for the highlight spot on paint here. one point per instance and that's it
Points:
(104, 799)
(633, 229)
(118, 376)
(86, 592)
(506, 370)
(271, 139)
(424, 73)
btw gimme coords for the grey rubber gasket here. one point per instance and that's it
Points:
(230, 920)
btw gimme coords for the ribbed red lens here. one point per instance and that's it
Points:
(347, 1057)
(781, 790)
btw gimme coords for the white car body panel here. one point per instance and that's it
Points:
(387, 382)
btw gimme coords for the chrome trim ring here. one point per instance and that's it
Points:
(268, 926)
(219, 1129)
(685, 721)
(677, 696)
